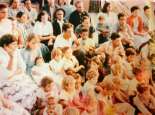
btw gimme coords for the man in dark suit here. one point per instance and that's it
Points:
(58, 21)
(77, 16)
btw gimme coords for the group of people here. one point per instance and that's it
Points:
(55, 62)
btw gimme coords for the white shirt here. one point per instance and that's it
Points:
(5, 27)
(43, 29)
(62, 42)
(87, 42)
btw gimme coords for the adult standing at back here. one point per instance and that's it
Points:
(15, 7)
(110, 17)
(5, 24)
(77, 16)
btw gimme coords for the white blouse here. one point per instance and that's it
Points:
(43, 29)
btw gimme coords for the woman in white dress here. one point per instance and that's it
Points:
(19, 87)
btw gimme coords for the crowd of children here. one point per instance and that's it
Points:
(55, 62)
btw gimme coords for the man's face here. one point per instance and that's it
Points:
(15, 4)
(147, 12)
(135, 13)
(122, 20)
(116, 42)
(3, 13)
(28, 4)
(79, 7)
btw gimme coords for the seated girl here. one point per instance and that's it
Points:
(68, 91)
(57, 65)
(31, 52)
(85, 42)
(40, 70)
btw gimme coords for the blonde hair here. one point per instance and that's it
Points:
(56, 52)
(71, 111)
(68, 80)
(32, 37)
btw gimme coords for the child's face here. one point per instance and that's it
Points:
(33, 44)
(58, 57)
(51, 101)
(86, 22)
(101, 20)
(130, 58)
(78, 83)
(48, 87)
(84, 35)
(69, 86)
(68, 53)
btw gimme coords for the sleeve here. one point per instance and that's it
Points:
(21, 64)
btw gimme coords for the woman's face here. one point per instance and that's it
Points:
(11, 47)
(44, 18)
(109, 8)
(15, 4)
(60, 15)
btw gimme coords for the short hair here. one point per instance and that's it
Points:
(42, 13)
(84, 30)
(20, 14)
(3, 6)
(71, 111)
(66, 26)
(7, 39)
(146, 7)
(85, 17)
(46, 81)
(141, 88)
(130, 51)
(134, 8)
(59, 9)
(120, 15)
(114, 36)
(26, 1)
